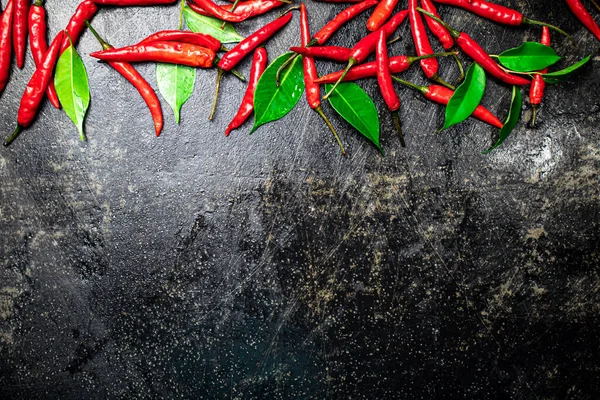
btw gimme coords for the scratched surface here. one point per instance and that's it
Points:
(268, 267)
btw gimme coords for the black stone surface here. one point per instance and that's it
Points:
(268, 267)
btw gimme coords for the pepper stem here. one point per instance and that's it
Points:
(218, 85)
(283, 67)
(398, 127)
(460, 68)
(105, 45)
(38, 3)
(412, 60)
(181, 6)
(14, 135)
(234, 72)
(455, 34)
(596, 4)
(534, 108)
(319, 111)
(232, 9)
(288, 10)
(422, 89)
(438, 79)
(554, 28)
(351, 63)
(394, 40)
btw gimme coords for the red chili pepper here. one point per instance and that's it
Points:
(259, 64)
(167, 52)
(199, 39)
(221, 13)
(130, 73)
(37, 42)
(380, 14)
(500, 14)
(85, 11)
(336, 23)
(386, 87)
(367, 45)
(436, 28)
(313, 90)
(20, 30)
(397, 64)
(584, 16)
(5, 45)
(125, 3)
(479, 55)
(422, 45)
(333, 53)
(538, 85)
(237, 54)
(442, 95)
(34, 92)
(252, 8)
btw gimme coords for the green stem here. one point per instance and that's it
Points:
(232, 9)
(438, 79)
(412, 60)
(14, 135)
(182, 5)
(283, 67)
(596, 4)
(398, 127)
(554, 28)
(234, 72)
(319, 111)
(422, 89)
(455, 34)
(460, 68)
(214, 105)
(105, 45)
(534, 108)
(351, 63)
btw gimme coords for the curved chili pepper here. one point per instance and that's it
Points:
(333, 53)
(19, 35)
(34, 92)
(85, 12)
(259, 64)
(37, 42)
(436, 28)
(538, 85)
(237, 54)
(384, 79)
(584, 16)
(340, 19)
(422, 45)
(479, 55)
(397, 64)
(313, 90)
(380, 14)
(199, 39)
(500, 14)
(167, 52)
(221, 13)
(125, 3)
(5, 45)
(251, 7)
(367, 45)
(442, 95)
(130, 73)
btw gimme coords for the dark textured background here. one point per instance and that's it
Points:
(269, 267)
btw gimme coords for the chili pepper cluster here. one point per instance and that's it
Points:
(21, 19)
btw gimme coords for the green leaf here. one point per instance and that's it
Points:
(72, 87)
(176, 84)
(560, 76)
(211, 26)
(271, 102)
(356, 107)
(530, 56)
(467, 96)
(513, 117)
